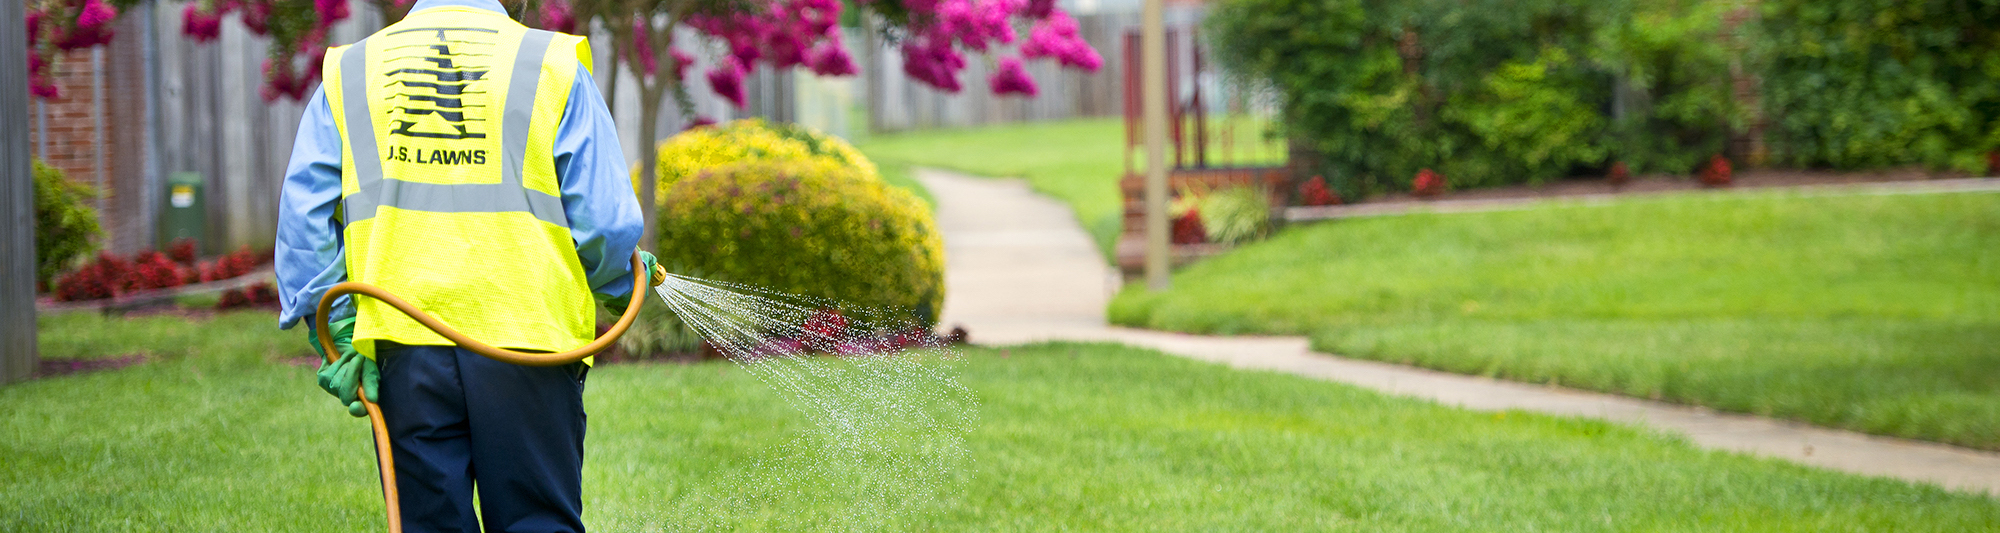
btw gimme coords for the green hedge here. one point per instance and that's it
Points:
(1872, 83)
(1494, 92)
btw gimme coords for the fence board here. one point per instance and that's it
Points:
(17, 208)
(215, 122)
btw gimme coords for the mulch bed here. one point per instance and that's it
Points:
(64, 367)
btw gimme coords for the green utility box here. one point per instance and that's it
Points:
(184, 214)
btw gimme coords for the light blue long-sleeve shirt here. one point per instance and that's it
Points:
(597, 198)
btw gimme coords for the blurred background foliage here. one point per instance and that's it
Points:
(1869, 83)
(1492, 92)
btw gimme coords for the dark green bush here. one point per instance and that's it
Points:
(812, 226)
(1872, 83)
(65, 225)
(1487, 92)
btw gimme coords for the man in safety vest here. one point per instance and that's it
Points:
(468, 164)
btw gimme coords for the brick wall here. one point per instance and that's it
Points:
(70, 139)
(102, 88)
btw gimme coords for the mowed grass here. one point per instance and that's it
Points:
(1071, 437)
(1873, 313)
(1074, 161)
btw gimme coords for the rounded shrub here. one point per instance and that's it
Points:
(698, 149)
(813, 226)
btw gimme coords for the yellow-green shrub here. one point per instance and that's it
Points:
(814, 226)
(692, 151)
(65, 225)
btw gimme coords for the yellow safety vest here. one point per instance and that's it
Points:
(448, 182)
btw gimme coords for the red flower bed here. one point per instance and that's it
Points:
(1427, 184)
(1619, 175)
(233, 264)
(1315, 193)
(1187, 229)
(109, 276)
(95, 281)
(152, 270)
(1716, 173)
(182, 251)
(257, 295)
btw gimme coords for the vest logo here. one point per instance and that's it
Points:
(407, 154)
(435, 84)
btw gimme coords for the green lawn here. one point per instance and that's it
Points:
(1873, 313)
(1074, 161)
(215, 435)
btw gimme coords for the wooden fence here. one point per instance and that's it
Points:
(165, 105)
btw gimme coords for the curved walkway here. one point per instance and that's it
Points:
(1020, 269)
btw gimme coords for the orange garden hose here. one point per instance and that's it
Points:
(383, 457)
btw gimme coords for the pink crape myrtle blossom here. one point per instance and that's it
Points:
(642, 48)
(726, 80)
(93, 27)
(682, 60)
(934, 35)
(200, 26)
(1012, 78)
(557, 16)
(1056, 37)
(830, 58)
(330, 11)
(933, 62)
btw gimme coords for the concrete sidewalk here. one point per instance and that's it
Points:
(1020, 269)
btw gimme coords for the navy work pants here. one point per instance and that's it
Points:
(456, 418)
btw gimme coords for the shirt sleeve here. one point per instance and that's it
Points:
(309, 257)
(597, 196)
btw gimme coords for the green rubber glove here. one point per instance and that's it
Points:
(351, 374)
(617, 305)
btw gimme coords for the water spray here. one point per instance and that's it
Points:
(889, 417)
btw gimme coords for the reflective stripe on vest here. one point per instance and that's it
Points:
(507, 196)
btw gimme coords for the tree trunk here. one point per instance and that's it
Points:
(17, 206)
(649, 157)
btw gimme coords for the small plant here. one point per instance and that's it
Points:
(232, 299)
(826, 322)
(182, 251)
(262, 294)
(1235, 215)
(1427, 184)
(95, 281)
(65, 225)
(1716, 173)
(233, 264)
(153, 271)
(1619, 175)
(1315, 193)
(258, 295)
(1186, 226)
